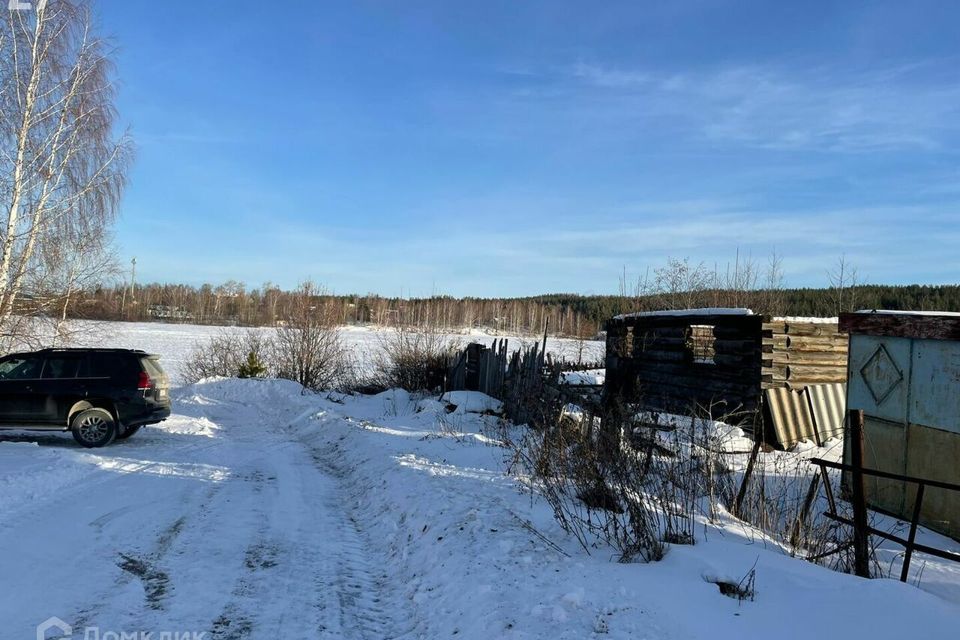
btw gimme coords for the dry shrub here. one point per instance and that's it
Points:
(637, 485)
(413, 358)
(776, 503)
(307, 347)
(595, 493)
(225, 354)
(623, 480)
(559, 463)
(740, 590)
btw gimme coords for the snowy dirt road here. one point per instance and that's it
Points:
(258, 512)
(220, 521)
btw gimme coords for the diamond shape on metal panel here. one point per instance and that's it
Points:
(881, 374)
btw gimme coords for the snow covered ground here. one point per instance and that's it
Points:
(258, 511)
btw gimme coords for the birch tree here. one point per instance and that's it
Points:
(62, 165)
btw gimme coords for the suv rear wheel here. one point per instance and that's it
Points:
(94, 428)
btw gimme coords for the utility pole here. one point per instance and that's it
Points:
(133, 280)
(130, 289)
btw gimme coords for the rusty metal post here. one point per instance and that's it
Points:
(828, 489)
(861, 535)
(742, 494)
(918, 501)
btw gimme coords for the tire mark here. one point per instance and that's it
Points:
(155, 582)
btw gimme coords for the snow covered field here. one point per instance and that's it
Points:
(174, 342)
(258, 511)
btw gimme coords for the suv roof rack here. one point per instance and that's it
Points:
(102, 349)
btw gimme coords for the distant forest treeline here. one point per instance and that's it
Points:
(564, 314)
(825, 302)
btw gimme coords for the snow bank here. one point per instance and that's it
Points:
(472, 402)
(363, 495)
(481, 559)
(574, 378)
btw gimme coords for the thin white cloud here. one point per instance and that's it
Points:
(610, 77)
(905, 107)
(590, 254)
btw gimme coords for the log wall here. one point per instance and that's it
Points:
(661, 363)
(798, 354)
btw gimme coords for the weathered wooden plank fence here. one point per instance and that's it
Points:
(517, 378)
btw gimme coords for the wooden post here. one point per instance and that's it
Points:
(828, 489)
(861, 536)
(543, 354)
(795, 535)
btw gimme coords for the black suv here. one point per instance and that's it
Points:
(98, 394)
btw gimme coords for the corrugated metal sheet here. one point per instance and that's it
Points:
(828, 404)
(791, 420)
(814, 413)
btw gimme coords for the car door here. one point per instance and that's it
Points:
(59, 387)
(20, 396)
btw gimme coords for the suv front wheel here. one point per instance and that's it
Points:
(94, 428)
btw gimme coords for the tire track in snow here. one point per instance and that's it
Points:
(368, 595)
(144, 565)
(280, 586)
(267, 547)
(310, 570)
(95, 479)
(368, 608)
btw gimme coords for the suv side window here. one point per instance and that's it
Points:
(112, 365)
(21, 368)
(60, 367)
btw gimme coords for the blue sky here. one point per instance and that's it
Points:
(512, 148)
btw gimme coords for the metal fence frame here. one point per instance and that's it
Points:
(861, 529)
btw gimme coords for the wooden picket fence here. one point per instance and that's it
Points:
(517, 378)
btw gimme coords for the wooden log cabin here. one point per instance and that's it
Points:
(772, 376)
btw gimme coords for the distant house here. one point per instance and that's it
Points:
(167, 312)
(781, 378)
